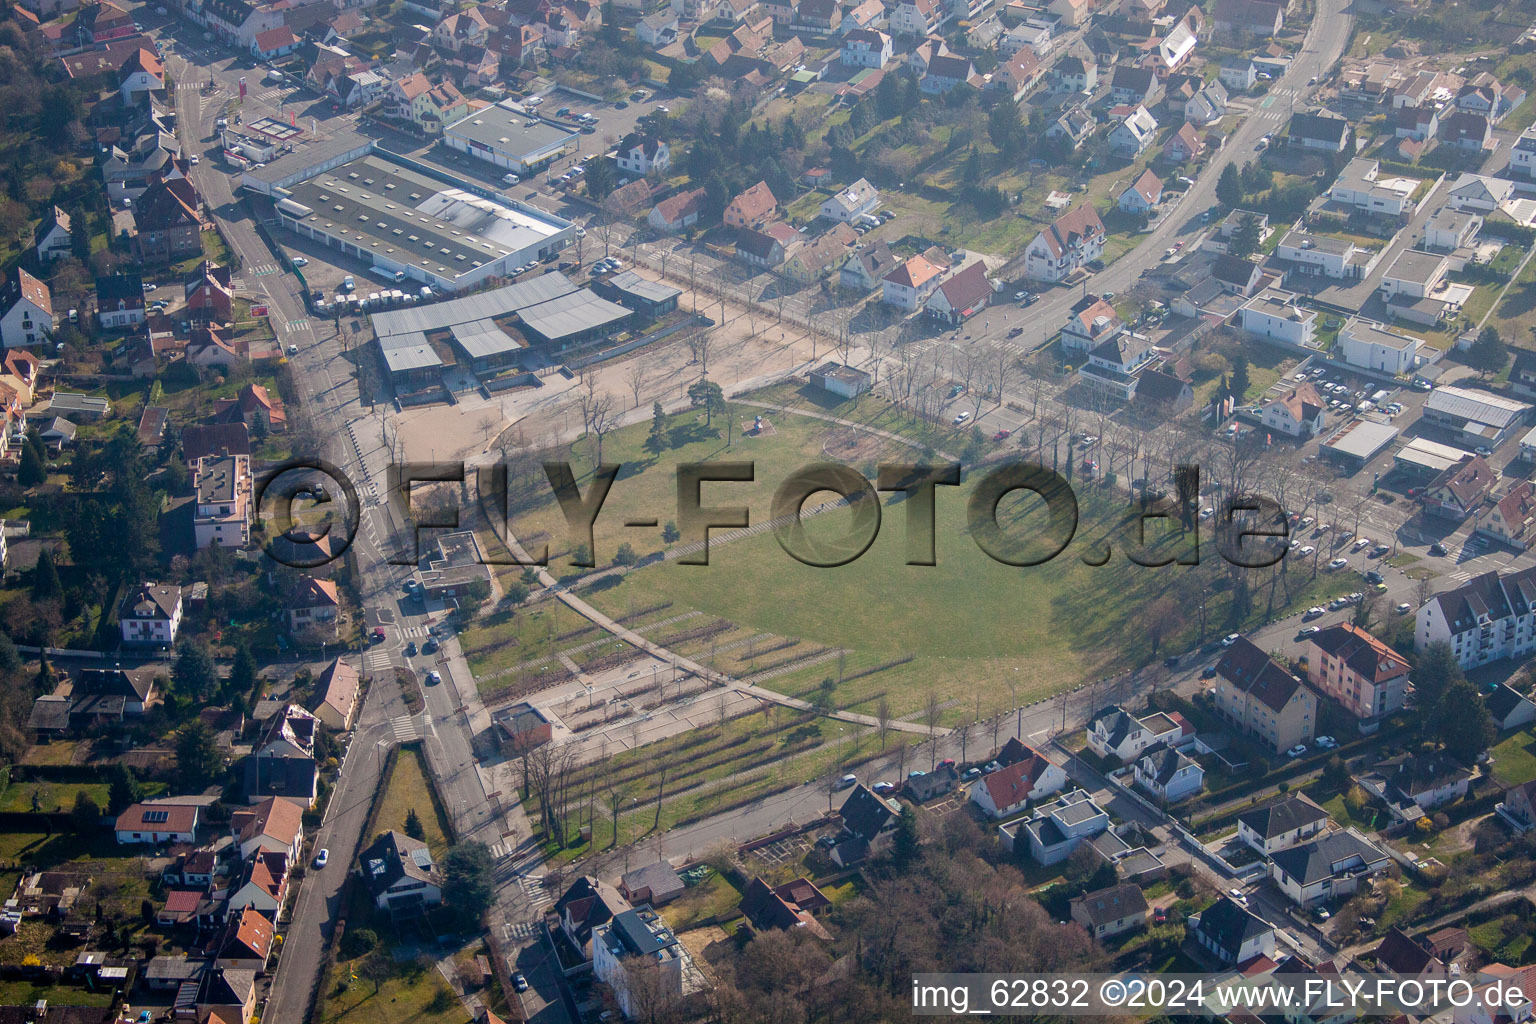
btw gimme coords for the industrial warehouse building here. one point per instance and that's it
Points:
(521, 325)
(391, 213)
(509, 136)
(1357, 444)
(1474, 418)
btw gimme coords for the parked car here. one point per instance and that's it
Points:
(300, 261)
(1230, 639)
(882, 788)
(433, 678)
(322, 857)
(1308, 630)
(1296, 751)
(1403, 608)
(1338, 563)
(519, 983)
(378, 634)
(1326, 742)
(1305, 549)
(846, 782)
(1312, 613)
(960, 418)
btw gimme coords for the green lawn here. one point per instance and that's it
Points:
(1514, 758)
(417, 994)
(50, 796)
(712, 897)
(409, 789)
(26, 993)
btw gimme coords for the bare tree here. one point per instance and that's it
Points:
(931, 711)
(597, 417)
(636, 378)
(883, 719)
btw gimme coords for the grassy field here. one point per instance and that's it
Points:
(409, 789)
(26, 993)
(417, 994)
(978, 628)
(1514, 758)
(710, 898)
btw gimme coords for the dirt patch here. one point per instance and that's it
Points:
(847, 444)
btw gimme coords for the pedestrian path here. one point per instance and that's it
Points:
(376, 661)
(533, 889)
(264, 270)
(405, 728)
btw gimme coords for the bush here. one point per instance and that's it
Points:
(359, 942)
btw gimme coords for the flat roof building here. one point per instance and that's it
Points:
(1474, 418)
(649, 298)
(509, 136)
(1358, 443)
(396, 217)
(1421, 457)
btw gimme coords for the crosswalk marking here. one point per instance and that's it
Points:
(519, 929)
(264, 270)
(376, 660)
(533, 888)
(298, 325)
(405, 728)
(1461, 576)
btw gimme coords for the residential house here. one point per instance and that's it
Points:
(814, 260)
(1326, 868)
(751, 209)
(53, 239)
(1105, 913)
(151, 615)
(946, 72)
(1173, 51)
(1509, 519)
(1256, 694)
(640, 154)
(869, 822)
(1238, 74)
(1276, 315)
(262, 884)
(1114, 364)
(1459, 490)
(1168, 774)
(1371, 345)
(141, 77)
(782, 908)
(1289, 821)
(1142, 195)
(921, 787)
(1071, 13)
(222, 514)
(1091, 323)
(767, 247)
(1231, 933)
(1076, 74)
(1066, 246)
(426, 105)
(866, 48)
(247, 941)
(849, 204)
(254, 406)
(274, 826)
(824, 17)
(1072, 126)
(98, 23)
(865, 269)
(1420, 123)
(1058, 828)
(1247, 20)
(1009, 790)
(1131, 87)
(1237, 275)
(157, 823)
(1114, 732)
(585, 905)
(654, 884)
(658, 30)
(1133, 134)
(1164, 392)
(1522, 155)
(1183, 146)
(1449, 230)
(635, 937)
(864, 15)
(909, 285)
(337, 696)
(1322, 132)
(1031, 35)
(1509, 708)
(402, 878)
(1208, 106)
(1467, 131)
(1489, 617)
(1368, 678)
(313, 603)
(679, 212)
(209, 292)
(919, 18)
(1479, 193)
(26, 311)
(120, 301)
(1405, 957)
(961, 296)
(1413, 785)
(168, 225)
(1518, 808)
(274, 43)
(1324, 255)
(1298, 412)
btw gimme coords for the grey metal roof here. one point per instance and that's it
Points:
(1479, 406)
(480, 306)
(482, 338)
(1364, 439)
(634, 284)
(408, 352)
(304, 159)
(572, 314)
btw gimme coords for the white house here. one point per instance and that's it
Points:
(909, 285)
(1450, 229)
(1058, 828)
(1486, 618)
(399, 874)
(157, 823)
(1480, 193)
(26, 311)
(1238, 74)
(1092, 322)
(1135, 132)
(1071, 242)
(1413, 275)
(1371, 345)
(1522, 155)
(1142, 195)
(1324, 255)
(1007, 791)
(151, 615)
(1168, 775)
(1277, 315)
(851, 203)
(641, 154)
(1280, 825)
(1025, 36)
(866, 48)
(1116, 733)
(639, 936)
(1297, 413)
(1231, 933)
(1329, 867)
(1361, 186)
(53, 239)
